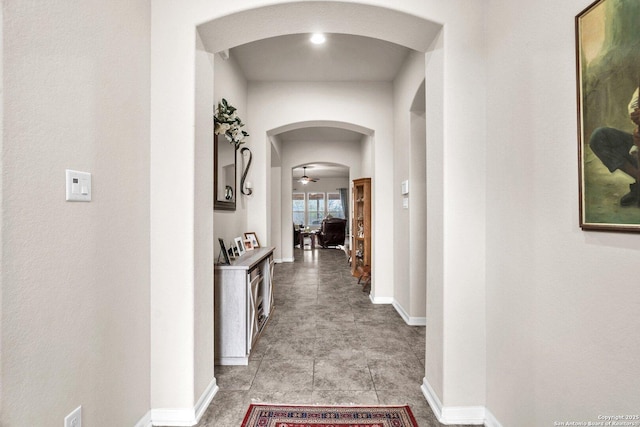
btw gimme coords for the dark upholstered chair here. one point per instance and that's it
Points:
(332, 232)
(296, 236)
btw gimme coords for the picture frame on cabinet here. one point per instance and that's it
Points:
(248, 245)
(251, 235)
(223, 252)
(239, 245)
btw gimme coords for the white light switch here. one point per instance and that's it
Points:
(405, 203)
(78, 186)
(404, 187)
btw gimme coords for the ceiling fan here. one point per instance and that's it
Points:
(304, 179)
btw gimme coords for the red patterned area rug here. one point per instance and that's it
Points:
(328, 416)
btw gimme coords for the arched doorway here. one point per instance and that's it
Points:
(175, 123)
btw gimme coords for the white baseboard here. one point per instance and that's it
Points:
(287, 260)
(490, 419)
(145, 421)
(432, 399)
(184, 417)
(474, 415)
(411, 321)
(232, 361)
(381, 300)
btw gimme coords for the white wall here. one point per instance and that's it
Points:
(75, 276)
(203, 222)
(365, 104)
(458, 365)
(229, 83)
(562, 304)
(410, 164)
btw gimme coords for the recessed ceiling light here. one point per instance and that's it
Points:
(318, 38)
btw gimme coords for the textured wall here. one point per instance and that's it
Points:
(75, 276)
(562, 309)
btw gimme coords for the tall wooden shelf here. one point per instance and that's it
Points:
(361, 229)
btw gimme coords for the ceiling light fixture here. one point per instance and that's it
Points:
(318, 38)
(304, 179)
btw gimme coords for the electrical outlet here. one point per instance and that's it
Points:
(74, 419)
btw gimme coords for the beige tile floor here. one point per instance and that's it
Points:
(326, 343)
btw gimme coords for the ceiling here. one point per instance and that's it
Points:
(321, 170)
(318, 134)
(342, 58)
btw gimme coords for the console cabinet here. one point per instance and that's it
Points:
(243, 301)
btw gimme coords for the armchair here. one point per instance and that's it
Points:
(332, 232)
(296, 236)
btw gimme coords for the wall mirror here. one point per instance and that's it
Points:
(224, 174)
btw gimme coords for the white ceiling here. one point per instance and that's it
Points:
(342, 57)
(321, 170)
(319, 134)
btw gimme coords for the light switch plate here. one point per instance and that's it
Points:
(78, 186)
(404, 188)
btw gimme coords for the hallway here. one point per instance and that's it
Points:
(326, 343)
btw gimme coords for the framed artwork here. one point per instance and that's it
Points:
(253, 237)
(223, 252)
(239, 245)
(248, 245)
(608, 78)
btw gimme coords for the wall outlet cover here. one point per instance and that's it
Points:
(78, 186)
(74, 419)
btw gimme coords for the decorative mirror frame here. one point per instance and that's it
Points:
(221, 205)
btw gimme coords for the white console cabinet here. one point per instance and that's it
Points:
(243, 302)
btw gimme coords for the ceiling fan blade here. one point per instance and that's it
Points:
(304, 179)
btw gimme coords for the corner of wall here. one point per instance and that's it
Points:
(468, 415)
(173, 417)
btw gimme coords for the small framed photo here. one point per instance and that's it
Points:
(251, 235)
(248, 245)
(239, 245)
(223, 251)
(232, 251)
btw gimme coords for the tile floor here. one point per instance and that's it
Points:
(326, 343)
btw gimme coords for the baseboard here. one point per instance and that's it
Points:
(381, 300)
(144, 421)
(232, 361)
(184, 417)
(470, 415)
(432, 399)
(490, 420)
(206, 398)
(411, 321)
(287, 260)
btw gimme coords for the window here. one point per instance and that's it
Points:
(334, 205)
(310, 209)
(315, 208)
(298, 209)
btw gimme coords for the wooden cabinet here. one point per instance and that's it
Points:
(361, 227)
(243, 301)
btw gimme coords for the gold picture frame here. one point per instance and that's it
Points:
(608, 77)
